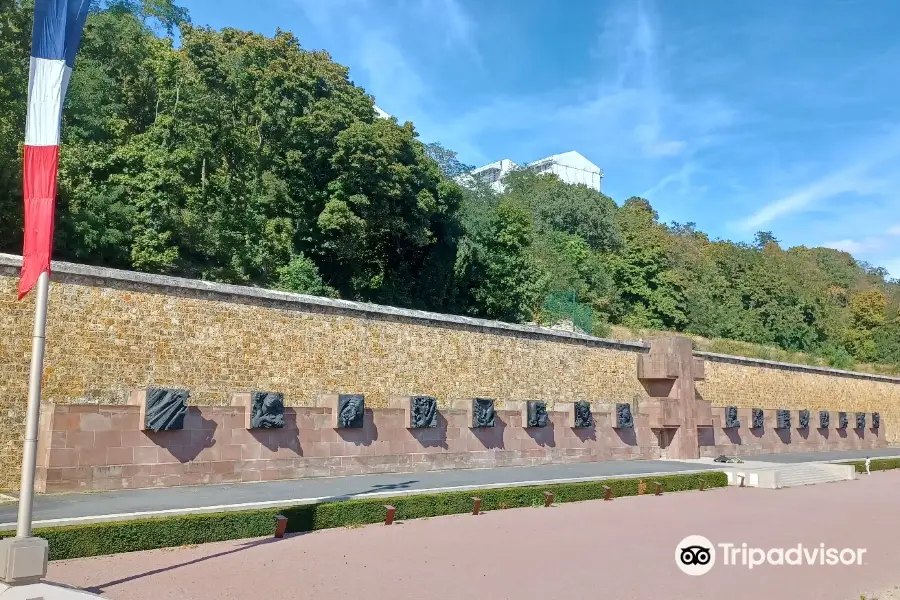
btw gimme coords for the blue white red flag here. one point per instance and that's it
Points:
(58, 25)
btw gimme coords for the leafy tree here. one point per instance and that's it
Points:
(764, 238)
(301, 275)
(652, 291)
(237, 157)
(573, 209)
(447, 160)
(15, 46)
(497, 268)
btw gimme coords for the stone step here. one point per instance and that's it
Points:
(810, 474)
(780, 476)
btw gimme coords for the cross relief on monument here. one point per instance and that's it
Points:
(668, 373)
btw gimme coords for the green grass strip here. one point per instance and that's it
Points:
(877, 464)
(98, 539)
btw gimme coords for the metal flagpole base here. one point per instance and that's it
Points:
(44, 591)
(23, 560)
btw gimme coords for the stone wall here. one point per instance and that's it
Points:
(111, 331)
(88, 448)
(746, 441)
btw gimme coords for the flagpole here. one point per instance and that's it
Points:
(33, 414)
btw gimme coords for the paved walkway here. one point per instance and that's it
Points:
(74, 508)
(622, 549)
(279, 493)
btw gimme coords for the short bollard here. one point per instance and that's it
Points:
(280, 525)
(658, 488)
(477, 508)
(702, 484)
(642, 487)
(742, 480)
(389, 517)
(607, 492)
(548, 498)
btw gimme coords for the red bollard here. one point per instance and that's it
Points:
(607, 492)
(475, 511)
(280, 525)
(389, 517)
(658, 488)
(548, 498)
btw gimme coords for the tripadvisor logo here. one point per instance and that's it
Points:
(696, 555)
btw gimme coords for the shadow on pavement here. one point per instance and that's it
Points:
(99, 589)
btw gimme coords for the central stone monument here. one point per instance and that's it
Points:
(668, 373)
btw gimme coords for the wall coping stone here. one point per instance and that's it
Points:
(10, 265)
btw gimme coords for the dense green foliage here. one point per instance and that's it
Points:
(235, 157)
(876, 464)
(78, 541)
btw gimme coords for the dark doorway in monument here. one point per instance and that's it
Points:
(431, 437)
(544, 436)
(360, 436)
(706, 436)
(664, 440)
(186, 445)
(281, 437)
(491, 437)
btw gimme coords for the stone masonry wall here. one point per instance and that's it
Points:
(93, 448)
(111, 331)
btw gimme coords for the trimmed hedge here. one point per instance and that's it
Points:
(877, 464)
(97, 539)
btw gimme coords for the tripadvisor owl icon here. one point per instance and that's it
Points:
(695, 555)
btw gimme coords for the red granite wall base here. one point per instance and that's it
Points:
(92, 447)
(743, 441)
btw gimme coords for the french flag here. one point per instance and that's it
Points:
(58, 25)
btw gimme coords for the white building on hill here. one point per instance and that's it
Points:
(571, 167)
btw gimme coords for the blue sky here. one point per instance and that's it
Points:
(737, 115)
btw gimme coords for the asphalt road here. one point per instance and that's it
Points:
(147, 502)
(68, 506)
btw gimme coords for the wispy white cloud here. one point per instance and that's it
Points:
(882, 244)
(371, 36)
(872, 174)
(623, 112)
(857, 247)
(676, 108)
(452, 20)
